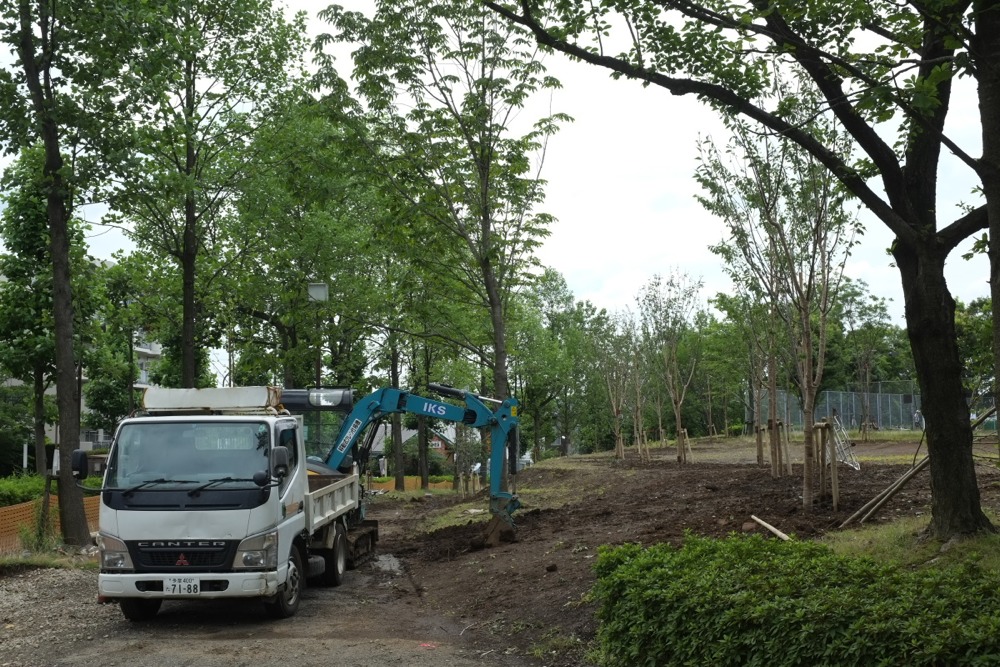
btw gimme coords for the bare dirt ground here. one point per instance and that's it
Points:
(436, 599)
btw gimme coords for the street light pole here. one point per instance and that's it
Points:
(320, 293)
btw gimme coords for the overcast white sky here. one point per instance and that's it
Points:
(620, 183)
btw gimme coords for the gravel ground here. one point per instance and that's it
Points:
(51, 618)
(47, 608)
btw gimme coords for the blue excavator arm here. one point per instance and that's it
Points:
(502, 423)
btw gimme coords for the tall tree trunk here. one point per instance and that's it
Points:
(808, 402)
(986, 42)
(679, 428)
(74, 520)
(189, 251)
(930, 321)
(772, 414)
(396, 419)
(38, 403)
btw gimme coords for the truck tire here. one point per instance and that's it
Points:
(336, 559)
(138, 610)
(286, 602)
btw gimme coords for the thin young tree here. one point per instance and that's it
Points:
(610, 346)
(666, 307)
(867, 320)
(791, 232)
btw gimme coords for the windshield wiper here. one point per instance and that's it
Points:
(150, 482)
(212, 482)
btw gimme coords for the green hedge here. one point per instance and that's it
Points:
(21, 489)
(756, 601)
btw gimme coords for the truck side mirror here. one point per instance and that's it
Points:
(279, 462)
(79, 464)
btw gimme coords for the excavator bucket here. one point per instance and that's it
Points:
(501, 528)
(498, 531)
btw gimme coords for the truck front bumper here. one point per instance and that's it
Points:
(210, 585)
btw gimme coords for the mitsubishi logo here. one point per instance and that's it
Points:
(182, 561)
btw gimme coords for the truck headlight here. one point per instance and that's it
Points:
(259, 552)
(114, 553)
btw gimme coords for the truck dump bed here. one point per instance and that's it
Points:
(329, 497)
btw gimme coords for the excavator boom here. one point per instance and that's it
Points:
(501, 421)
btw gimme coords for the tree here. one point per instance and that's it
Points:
(666, 306)
(867, 321)
(26, 291)
(67, 86)
(725, 368)
(585, 423)
(902, 82)
(16, 421)
(444, 82)
(214, 68)
(316, 216)
(974, 325)
(753, 322)
(542, 354)
(611, 347)
(110, 364)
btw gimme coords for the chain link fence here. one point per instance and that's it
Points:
(882, 411)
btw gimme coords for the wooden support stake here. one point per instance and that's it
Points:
(895, 489)
(834, 481)
(886, 493)
(771, 528)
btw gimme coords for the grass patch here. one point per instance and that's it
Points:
(902, 542)
(554, 644)
(889, 459)
(55, 558)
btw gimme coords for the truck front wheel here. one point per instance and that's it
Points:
(139, 609)
(286, 603)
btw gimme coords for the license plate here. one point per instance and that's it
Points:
(181, 586)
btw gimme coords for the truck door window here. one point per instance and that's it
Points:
(286, 439)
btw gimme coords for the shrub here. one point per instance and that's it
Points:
(755, 601)
(21, 489)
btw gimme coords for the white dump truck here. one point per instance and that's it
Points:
(211, 493)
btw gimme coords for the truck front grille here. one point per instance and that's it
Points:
(173, 557)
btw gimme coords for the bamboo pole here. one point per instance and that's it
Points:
(784, 430)
(887, 493)
(770, 528)
(834, 466)
(819, 444)
(895, 489)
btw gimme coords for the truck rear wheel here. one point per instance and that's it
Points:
(286, 602)
(336, 559)
(139, 609)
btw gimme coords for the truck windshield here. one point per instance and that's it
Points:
(182, 454)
